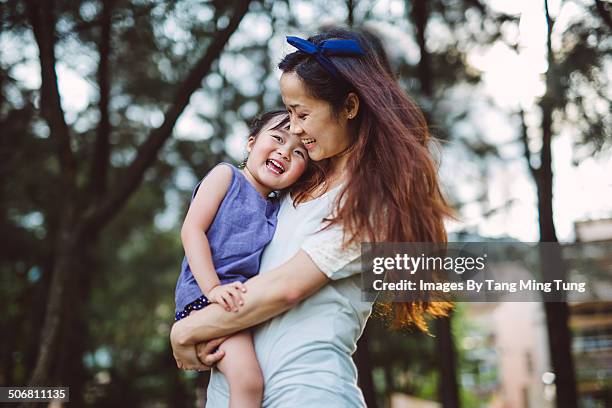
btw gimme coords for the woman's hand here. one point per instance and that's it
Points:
(229, 296)
(208, 351)
(186, 356)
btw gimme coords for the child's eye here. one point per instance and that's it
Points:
(278, 138)
(300, 153)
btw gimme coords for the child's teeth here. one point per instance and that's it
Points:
(277, 167)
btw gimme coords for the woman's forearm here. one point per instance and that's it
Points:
(267, 295)
(214, 321)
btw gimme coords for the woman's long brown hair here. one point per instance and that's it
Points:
(393, 194)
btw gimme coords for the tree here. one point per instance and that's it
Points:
(90, 191)
(433, 72)
(445, 350)
(581, 57)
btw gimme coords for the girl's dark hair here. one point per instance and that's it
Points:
(393, 193)
(258, 122)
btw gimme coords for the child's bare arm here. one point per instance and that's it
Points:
(201, 213)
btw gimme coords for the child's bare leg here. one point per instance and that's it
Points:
(242, 371)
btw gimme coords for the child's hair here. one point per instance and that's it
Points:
(258, 123)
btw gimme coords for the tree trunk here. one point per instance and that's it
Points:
(420, 17)
(56, 306)
(448, 389)
(75, 226)
(350, 19)
(364, 369)
(74, 340)
(557, 313)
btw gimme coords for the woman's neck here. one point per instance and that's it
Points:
(334, 177)
(337, 172)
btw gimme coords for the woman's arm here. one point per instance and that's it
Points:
(268, 294)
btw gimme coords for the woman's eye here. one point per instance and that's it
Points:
(302, 117)
(300, 153)
(278, 138)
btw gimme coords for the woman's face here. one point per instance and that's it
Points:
(324, 136)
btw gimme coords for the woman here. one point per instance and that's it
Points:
(377, 183)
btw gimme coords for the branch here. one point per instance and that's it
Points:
(98, 216)
(99, 166)
(43, 24)
(550, 22)
(525, 141)
(481, 7)
(603, 13)
(85, 26)
(420, 18)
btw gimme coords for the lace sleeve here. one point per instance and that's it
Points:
(325, 250)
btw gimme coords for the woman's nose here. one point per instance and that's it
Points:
(295, 128)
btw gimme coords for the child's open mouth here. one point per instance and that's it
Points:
(275, 166)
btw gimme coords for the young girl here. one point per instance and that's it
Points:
(230, 220)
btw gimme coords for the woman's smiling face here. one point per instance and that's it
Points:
(312, 120)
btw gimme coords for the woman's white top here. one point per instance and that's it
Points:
(305, 353)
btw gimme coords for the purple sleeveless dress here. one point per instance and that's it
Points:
(244, 224)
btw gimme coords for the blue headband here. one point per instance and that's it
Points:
(345, 48)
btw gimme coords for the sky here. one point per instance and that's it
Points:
(510, 79)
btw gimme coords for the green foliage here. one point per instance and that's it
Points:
(129, 271)
(582, 81)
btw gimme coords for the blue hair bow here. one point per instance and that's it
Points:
(346, 48)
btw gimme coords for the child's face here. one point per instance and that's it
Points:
(276, 158)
